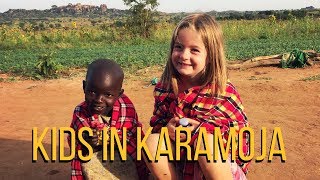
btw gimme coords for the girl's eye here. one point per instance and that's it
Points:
(195, 50)
(177, 46)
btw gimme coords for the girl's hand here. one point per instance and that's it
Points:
(193, 124)
(174, 122)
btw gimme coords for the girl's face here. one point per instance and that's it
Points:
(189, 54)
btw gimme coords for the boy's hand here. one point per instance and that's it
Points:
(92, 140)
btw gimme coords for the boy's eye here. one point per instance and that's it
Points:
(108, 95)
(91, 92)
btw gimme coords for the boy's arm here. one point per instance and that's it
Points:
(76, 124)
(130, 121)
(78, 121)
(124, 115)
(132, 136)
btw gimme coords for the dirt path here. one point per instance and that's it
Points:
(272, 97)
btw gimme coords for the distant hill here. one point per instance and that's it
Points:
(91, 11)
(70, 10)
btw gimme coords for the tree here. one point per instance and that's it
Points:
(142, 19)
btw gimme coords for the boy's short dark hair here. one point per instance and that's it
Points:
(107, 66)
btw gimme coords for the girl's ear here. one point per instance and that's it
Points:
(207, 61)
(84, 86)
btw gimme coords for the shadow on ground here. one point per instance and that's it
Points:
(16, 162)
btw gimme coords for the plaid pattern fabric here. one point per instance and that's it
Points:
(197, 103)
(123, 115)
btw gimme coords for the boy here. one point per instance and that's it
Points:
(106, 105)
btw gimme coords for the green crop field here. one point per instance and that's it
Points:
(75, 44)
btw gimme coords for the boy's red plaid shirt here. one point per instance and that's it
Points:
(123, 115)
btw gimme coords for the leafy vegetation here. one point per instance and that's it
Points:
(142, 19)
(78, 41)
(46, 66)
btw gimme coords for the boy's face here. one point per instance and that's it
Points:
(101, 92)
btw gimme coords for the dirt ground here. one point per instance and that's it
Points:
(272, 97)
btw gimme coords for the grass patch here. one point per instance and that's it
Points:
(253, 78)
(9, 79)
(311, 78)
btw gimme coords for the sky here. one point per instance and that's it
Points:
(171, 5)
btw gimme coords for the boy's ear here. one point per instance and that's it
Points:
(121, 92)
(84, 86)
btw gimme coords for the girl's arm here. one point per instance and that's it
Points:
(161, 113)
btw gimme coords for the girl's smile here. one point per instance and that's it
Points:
(184, 64)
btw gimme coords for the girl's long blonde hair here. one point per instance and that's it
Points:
(215, 71)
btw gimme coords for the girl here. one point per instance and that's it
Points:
(194, 85)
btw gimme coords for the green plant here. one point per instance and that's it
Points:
(142, 16)
(46, 66)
